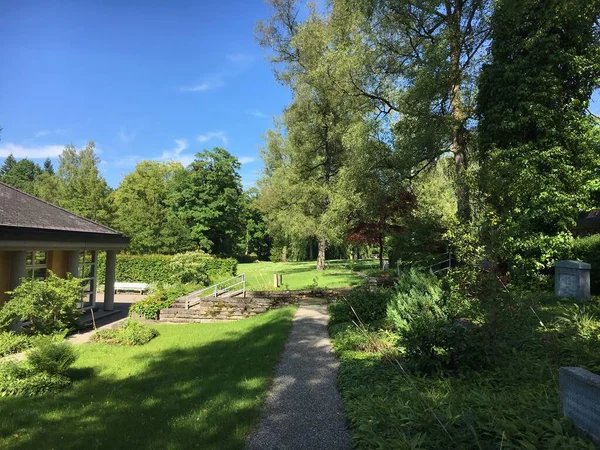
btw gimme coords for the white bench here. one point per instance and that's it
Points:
(136, 287)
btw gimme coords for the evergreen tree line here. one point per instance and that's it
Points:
(162, 206)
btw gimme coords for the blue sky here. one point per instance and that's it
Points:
(145, 80)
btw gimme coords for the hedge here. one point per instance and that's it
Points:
(587, 249)
(156, 269)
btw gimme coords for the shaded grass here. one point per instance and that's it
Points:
(512, 403)
(301, 275)
(194, 386)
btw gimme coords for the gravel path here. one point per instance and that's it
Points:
(304, 409)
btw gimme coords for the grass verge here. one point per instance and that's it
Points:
(194, 386)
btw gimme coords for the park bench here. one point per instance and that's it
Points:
(136, 287)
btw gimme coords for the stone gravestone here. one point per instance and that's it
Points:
(572, 279)
(580, 398)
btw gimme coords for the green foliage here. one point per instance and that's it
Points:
(132, 333)
(538, 144)
(368, 305)
(160, 269)
(50, 305)
(208, 198)
(495, 406)
(587, 249)
(143, 210)
(11, 342)
(189, 268)
(52, 355)
(21, 174)
(18, 380)
(164, 296)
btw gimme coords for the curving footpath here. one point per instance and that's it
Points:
(304, 409)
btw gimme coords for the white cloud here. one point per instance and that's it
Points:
(202, 87)
(213, 135)
(180, 146)
(31, 152)
(126, 136)
(42, 133)
(257, 113)
(246, 159)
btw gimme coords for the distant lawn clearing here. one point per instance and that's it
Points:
(194, 386)
(303, 275)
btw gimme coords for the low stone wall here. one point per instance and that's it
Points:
(301, 294)
(219, 309)
(580, 398)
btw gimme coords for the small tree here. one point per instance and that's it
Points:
(50, 305)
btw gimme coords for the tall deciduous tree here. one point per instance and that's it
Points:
(143, 211)
(417, 62)
(208, 198)
(539, 145)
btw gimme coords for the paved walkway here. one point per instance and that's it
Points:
(304, 409)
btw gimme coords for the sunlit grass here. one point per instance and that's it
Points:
(301, 275)
(194, 386)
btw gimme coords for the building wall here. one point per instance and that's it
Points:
(57, 262)
(4, 276)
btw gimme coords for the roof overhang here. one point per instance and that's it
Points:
(19, 238)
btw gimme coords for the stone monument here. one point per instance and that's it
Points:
(572, 279)
(580, 398)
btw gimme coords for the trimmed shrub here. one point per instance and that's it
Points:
(149, 308)
(52, 355)
(132, 333)
(157, 268)
(11, 342)
(189, 267)
(50, 305)
(16, 379)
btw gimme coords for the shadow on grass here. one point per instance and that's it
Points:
(200, 396)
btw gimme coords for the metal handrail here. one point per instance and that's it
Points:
(216, 290)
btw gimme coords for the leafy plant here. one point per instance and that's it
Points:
(163, 297)
(50, 305)
(132, 333)
(52, 355)
(17, 379)
(11, 342)
(188, 268)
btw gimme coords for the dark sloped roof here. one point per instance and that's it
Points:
(21, 210)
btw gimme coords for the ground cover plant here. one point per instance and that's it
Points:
(510, 400)
(162, 297)
(194, 384)
(299, 275)
(131, 333)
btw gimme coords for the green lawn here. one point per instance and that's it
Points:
(302, 275)
(194, 386)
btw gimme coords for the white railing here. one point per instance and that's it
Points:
(224, 287)
(445, 264)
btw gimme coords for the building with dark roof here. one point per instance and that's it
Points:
(36, 236)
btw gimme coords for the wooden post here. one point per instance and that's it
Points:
(276, 280)
(279, 280)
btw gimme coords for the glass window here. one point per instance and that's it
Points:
(36, 265)
(87, 273)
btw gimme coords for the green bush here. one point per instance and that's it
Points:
(587, 249)
(157, 268)
(431, 338)
(11, 342)
(368, 305)
(163, 297)
(16, 379)
(132, 333)
(52, 355)
(50, 305)
(189, 267)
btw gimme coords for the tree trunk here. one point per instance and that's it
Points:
(284, 254)
(310, 251)
(380, 239)
(355, 254)
(459, 115)
(321, 254)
